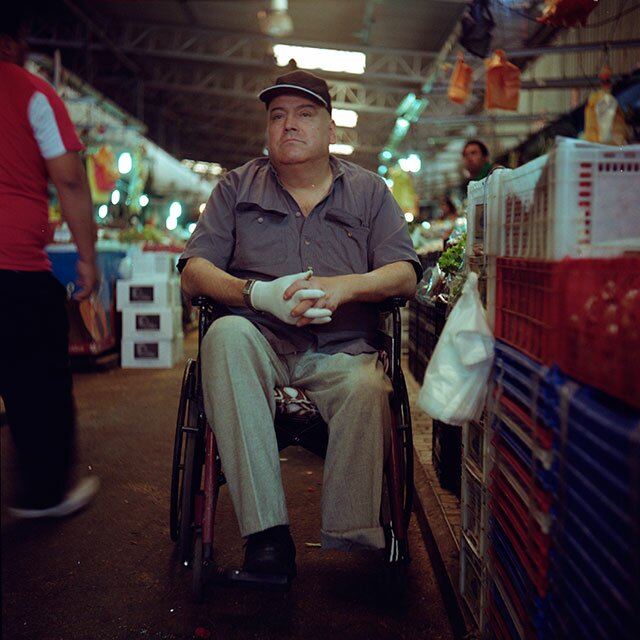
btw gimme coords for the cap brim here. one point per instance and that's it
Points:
(268, 94)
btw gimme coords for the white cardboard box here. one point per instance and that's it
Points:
(151, 324)
(141, 293)
(151, 354)
(155, 264)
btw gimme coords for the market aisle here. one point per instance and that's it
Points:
(112, 572)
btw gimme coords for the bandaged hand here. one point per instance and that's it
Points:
(268, 296)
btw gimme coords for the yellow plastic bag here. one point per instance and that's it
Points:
(460, 83)
(502, 89)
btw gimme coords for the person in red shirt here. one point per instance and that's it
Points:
(39, 144)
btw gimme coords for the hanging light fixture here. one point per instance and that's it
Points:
(276, 21)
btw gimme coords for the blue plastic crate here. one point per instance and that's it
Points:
(505, 609)
(584, 587)
(511, 565)
(543, 464)
(600, 438)
(585, 613)
(528, 382)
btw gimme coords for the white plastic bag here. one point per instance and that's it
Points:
(455, 382)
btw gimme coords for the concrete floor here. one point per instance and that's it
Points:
(112, 572)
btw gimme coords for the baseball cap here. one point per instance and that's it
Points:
(298, 82)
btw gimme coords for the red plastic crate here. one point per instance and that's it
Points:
(527, 299)
(600, 325)
(582, 314)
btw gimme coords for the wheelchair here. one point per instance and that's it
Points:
(197, 471)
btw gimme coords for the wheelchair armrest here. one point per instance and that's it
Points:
(395, 302)
(202, 301)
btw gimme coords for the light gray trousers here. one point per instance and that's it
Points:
(240, 370)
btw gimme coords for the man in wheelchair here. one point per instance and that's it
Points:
(298, 247)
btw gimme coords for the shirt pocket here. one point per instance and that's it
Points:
(346, 240)
(261, 238)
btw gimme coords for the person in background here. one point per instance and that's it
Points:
(475, 158)
(39, 144)
(449, 215)
(448, 210)
(299, 247)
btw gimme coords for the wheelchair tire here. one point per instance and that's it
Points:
(189, 475)
(185, 415)
(197, 578)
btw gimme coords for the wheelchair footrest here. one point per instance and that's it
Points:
(248, 580)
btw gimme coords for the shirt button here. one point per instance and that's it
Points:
(350, 234)
(298, 214)
(260, 219)
(307, 242)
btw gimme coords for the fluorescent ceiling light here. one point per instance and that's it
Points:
(344, 117)
(276, 21)
(325, 59)
(341, 149)
(410, 164)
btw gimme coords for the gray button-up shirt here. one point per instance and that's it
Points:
(252, 228)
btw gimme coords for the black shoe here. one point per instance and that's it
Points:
(271, 551)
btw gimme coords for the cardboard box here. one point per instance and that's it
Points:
(142, 293)
(155, 264)
(151, 354)
(151, 324)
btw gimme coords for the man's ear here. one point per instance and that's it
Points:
(332, 133)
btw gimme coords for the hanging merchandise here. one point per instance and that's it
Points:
(102, 171)
(138, 179)
(477, 24)
(403, 190)
(603, 118)
(455, 382)
(566, 13)
(460, 83)
(502, 88)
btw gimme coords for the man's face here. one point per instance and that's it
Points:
(14, 49)
(473, 160)
(298, 130)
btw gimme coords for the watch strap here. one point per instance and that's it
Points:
(246, 294)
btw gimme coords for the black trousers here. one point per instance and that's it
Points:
(36, 383)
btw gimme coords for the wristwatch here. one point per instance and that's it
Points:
(246, 294)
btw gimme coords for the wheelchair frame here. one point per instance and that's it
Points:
(197, 469)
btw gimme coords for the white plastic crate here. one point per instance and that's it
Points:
(473, 581)
(139, 353)
(147, 293)
(484, 209)
(476, 446)
(160, 322)
(474, 510)
(579, 200)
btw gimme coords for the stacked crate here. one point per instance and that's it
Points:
(563, 545)
(151, 306)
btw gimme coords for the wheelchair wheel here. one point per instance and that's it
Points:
(186, 464)
(197, 578)
(399, 485)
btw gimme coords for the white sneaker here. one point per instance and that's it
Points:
(77, 498)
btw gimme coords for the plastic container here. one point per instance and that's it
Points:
(583, 315)
(473, 585)
(528, 294)
(599, 325)
(579, 200)
(474, 513)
